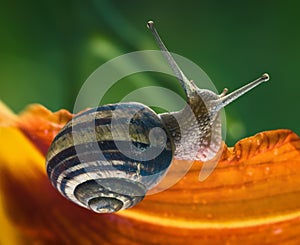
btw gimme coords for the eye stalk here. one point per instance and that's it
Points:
(200, 116)
(226, 99)
(188, 86)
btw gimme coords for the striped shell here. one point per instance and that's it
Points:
(102, 159)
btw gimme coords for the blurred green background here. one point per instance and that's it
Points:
(49, 48)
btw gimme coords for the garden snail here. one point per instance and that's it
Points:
(107, 158)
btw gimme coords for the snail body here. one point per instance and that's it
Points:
(107, 158)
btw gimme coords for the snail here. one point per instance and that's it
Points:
(107, 158)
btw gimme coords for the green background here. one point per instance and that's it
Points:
(49, 48)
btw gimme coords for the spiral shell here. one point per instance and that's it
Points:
(86, 165)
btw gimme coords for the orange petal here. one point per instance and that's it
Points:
(252, 197)
(41, 125)
(7, 117)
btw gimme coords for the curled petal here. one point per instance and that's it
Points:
(252, 197)
(41, 125)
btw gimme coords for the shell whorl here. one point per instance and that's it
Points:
(85, 164)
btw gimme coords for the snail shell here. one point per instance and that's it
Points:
(95, 174)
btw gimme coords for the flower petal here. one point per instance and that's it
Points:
(252, 197)
(41, 125)
(7, 117)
